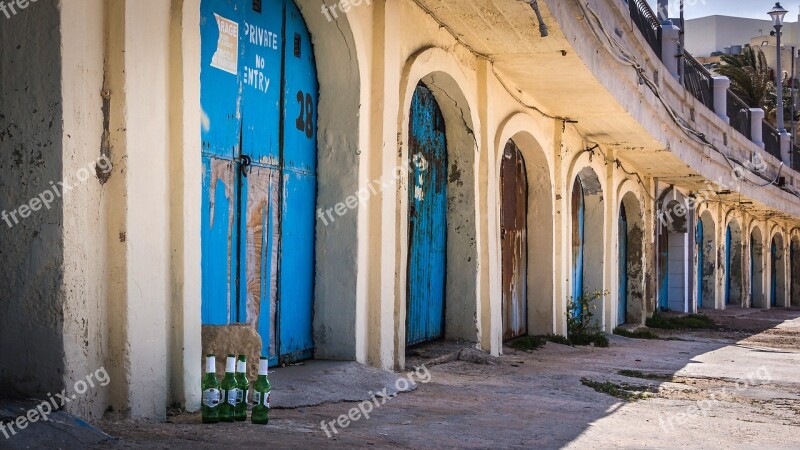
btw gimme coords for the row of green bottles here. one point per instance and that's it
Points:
(228, 401)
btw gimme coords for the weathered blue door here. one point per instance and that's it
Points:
(728, 256)
(622, 312)
(259, 185)
(663, 275)
(427, 221)
(752, 272)
(700, 261)
(578, 234)
(773, 294)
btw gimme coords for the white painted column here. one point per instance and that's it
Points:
(670, 34)
(756, 126)
(721, 85)
(146, 229)
(786, 147)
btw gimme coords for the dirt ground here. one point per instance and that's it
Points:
(737, 387)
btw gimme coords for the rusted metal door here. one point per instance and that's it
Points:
(514, 237)
(427, 221)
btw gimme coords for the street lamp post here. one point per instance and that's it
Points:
(778, 13)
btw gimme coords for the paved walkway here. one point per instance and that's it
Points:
(737, 388)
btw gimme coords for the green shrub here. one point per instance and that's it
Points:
(581, 327)
(687, 322)
(641, 334)
(623, 391)
(527, 343)
(558, 339)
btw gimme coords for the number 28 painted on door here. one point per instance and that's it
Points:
(305, 121)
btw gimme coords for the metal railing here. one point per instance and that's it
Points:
(739, 113)
(699, 81)
(647, 22)
(772, 142)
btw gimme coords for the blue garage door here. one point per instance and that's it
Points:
(259, 103)
(427, 221)
(578, 235)
(622, 308)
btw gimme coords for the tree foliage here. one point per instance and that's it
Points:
(750, 75)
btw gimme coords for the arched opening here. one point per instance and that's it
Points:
(706, 261)
(514, 241)
(587, 235)
(794, 254)
(777, 290)
(756, 269)
(538, 253)
(630, 306)
(441, 275)
(673, 249)
(733, 264)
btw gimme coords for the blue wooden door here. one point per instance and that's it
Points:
(700, 262)
(752, 273)
(578, 234)
(794, 273)
(299, 189)
(663, 252)
(773, 294)
(427, 221)
(259, 185)
(622, 311)
(728, 256)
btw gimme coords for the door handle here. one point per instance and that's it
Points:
(246, 164)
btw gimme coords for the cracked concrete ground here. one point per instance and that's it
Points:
(733, 388)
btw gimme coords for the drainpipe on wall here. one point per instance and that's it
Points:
(542, 26)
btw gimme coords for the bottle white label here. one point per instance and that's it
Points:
(233, 395)
(267, 398)
(240, 396)
(256, 398)
(246, 396)
(241, 366)
(211, 397)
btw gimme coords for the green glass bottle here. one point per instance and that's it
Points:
(261, 393)
(211, 392)
(229, 390)
(244, 388)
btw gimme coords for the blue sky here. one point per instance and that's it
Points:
(739, 8)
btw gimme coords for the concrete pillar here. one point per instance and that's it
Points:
(786, 147)
(721, 85)
(670, 34)
(756, 126)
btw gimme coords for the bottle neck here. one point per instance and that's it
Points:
(263, 368)
(230, 365)
(211, 364)
(241, 367)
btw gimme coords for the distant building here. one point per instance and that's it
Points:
(709, 37)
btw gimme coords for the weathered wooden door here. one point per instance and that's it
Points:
(728, 257)
(258, 96)
(427, 221)
(622, 311)
(699, 237)
(773, 278)
(514, 241)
